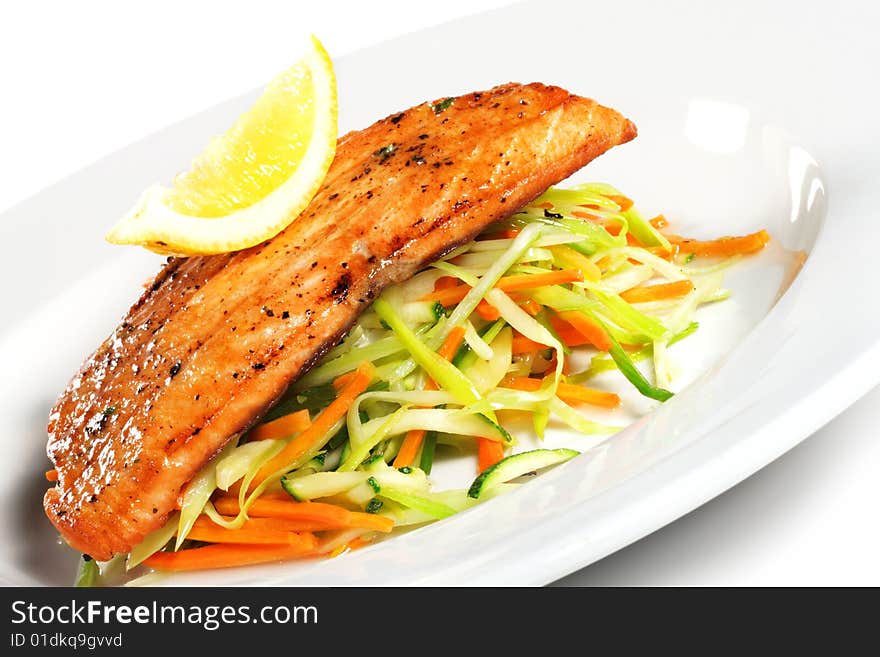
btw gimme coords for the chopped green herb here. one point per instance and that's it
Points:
(442, 105)
(374, 505)
(385, 152)
(110, 410)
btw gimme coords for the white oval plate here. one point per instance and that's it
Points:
(715, 153)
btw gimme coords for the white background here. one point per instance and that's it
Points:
(80, 80)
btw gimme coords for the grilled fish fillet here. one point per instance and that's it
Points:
(214, 341)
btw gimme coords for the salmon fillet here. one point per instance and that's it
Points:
(214, 341)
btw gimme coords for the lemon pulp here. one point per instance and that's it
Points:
(254, 180)
(257, 154)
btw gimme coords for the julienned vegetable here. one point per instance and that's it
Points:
(434, 369)
(516, 466)
(87, 572)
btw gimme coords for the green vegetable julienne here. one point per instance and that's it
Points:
(87, 573)
(421, 407)
(442, 105)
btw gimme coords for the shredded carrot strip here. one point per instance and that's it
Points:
(489, 452)
(603, 263)
(342, 380)
(573, 394)
(569, 335)
(724, 246)
(669, 290)
(413, 440)
(454, 295)
(330, 515)
(274, 523)
(524, 345)
(612, 227)
(531, 306)
(322, 423)
(590, 329)
(624, 203)
(283, 427)
(278, 524)
(451, 343)
(357, 543)
(662, 252)
(372, 521)
(52, 475)
(487, 311)
(567, 392)
(632, 240)
(445, 282)
(659, 222)
(410, 447)
(204, 529)
(229, 555)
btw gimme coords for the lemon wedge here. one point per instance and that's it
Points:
(253, 181)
